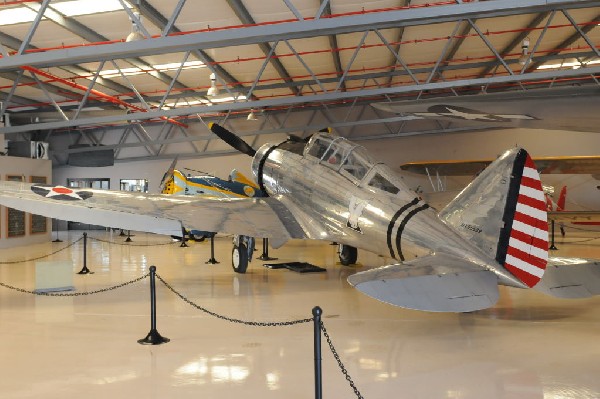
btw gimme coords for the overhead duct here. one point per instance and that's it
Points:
(93, 158)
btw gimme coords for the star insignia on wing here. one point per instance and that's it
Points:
(60, 193)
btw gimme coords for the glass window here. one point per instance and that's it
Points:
(137, 185)
(381, 183)
(356, 163)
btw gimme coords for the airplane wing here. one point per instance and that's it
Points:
(560, 108)
(574, 216)
(436, 283)
(545, 165)
(163, 214)
(571, 278)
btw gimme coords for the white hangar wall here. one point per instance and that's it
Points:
(394, 152)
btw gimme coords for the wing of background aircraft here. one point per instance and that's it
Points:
(258, 217)
(545, 165)
(562, 108)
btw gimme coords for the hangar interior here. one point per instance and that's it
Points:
(133, 84)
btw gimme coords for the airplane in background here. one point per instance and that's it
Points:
(174, 182)
(329, 188)
(572, 108)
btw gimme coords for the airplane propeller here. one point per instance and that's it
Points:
(167, 176)
(231, 139)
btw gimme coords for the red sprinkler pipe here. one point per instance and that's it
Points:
(96, 93)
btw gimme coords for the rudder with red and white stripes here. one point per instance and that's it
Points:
(523, 243)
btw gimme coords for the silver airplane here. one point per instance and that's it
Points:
(328, 188)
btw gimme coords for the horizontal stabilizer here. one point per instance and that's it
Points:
(571, 278)
(435, 283)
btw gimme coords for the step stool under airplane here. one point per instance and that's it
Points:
(328, 188)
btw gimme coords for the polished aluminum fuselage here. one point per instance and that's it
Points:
(329, 206)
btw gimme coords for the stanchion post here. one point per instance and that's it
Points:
(212, 259)
(265, 253)
(183, 243)
(153, 337)
(552, 246)
(128, 239)
(84, 269)
(317, 338)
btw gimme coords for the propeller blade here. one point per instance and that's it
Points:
(167, 176)
(231, 139)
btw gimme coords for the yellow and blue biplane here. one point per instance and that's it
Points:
(237, 185)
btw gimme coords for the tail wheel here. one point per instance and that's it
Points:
(239, 258)
(348, 255)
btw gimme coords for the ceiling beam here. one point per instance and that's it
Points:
(242, 13)
(290, 30)
(324, 97)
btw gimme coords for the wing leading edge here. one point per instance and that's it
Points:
(163, 214)
(435, 283)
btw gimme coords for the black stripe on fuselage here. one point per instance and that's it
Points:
(393, 222)
(408, 216)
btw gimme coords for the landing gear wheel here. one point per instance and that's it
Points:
(239, 258)
(348, 255)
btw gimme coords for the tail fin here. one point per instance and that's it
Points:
(562, 199)
(503, 212)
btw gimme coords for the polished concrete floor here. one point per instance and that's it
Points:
(527, 346)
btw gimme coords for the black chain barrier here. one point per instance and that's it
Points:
(249, 323)
(339, 362)
(132, 245)
(273, 324)
(114, 287)
(43, 256)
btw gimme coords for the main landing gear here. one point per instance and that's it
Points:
(241, 255)
(348, 255)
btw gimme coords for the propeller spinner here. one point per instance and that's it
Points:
(231, 139)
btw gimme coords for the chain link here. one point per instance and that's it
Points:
(42, 256)
(339, 362)
(75, 293)
(249, 323)
(132, 245)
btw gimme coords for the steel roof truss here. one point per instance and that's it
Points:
(11, 93)
(581, 32)
(33, 27)
(538, 41)
(490, 46)
(352, 58)
(89, 90)
(444, 51)
(50, 98)
(305, 65)
(135, 20)
(396, 55)
(171, 22)
(324, 4)
(262, 69)
(294, 10)
(174, 80)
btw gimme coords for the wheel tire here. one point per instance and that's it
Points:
(348, 255)
(239, 258)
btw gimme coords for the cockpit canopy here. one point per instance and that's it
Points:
(351, 160)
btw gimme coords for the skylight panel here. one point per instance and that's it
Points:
(17, 15)
(73, 8)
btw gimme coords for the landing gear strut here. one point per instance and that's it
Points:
(348, 255)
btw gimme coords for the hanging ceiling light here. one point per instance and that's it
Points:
(524, 52)
(135, 30)
(252, 116)
(213, 90)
